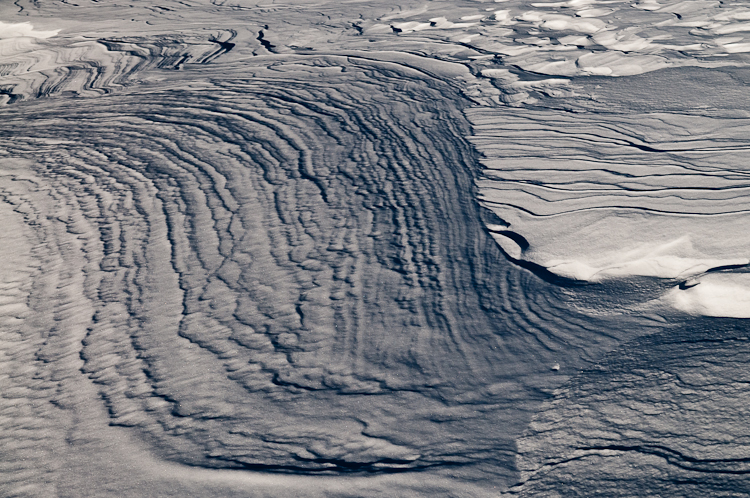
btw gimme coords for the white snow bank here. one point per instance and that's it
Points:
(23, 29)
(599, 196)
(673, 259)
(597, 245)
(715, 294)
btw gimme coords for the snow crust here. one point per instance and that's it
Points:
(612, 38)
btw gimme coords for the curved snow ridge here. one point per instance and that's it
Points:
(600, 196)
(264, 269)
(33, 67)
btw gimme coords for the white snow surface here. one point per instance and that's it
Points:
(718, 294)
(600, 196)
(24, 29)
(254, 240)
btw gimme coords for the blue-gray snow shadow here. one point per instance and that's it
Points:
(663, 414)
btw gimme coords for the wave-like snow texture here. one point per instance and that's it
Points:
(32, 68)
(253, 231)
(240, 238)
(590, 37)
(628, 427)
(276, 265)
(603, 195)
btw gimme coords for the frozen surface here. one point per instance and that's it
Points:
(605, 195)
(454, 248)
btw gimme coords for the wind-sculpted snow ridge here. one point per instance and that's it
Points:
(670, 190)
(596, 196)
(663, 416)
(590, 37)
(274, 265)
(33, 68)
(295, 238)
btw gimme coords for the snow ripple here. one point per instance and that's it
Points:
(612, 195)
(278, 269)
(274, 260)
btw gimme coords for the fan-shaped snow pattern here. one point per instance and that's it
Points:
(263, 241)
(274, 269)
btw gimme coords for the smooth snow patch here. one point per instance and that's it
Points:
(674, 259)
(595, 246)
(718, 294)
(23, 29)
